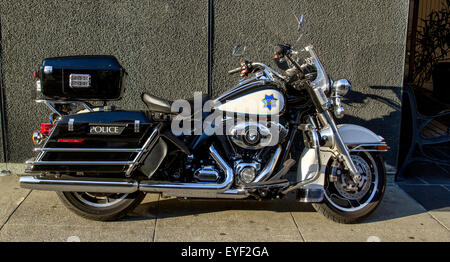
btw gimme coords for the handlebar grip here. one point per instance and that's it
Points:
(236, 70)
(279, 50)
(282, 50)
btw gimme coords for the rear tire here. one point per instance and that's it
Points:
(102, 207)
(341, 206)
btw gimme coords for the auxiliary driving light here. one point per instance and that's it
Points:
(341, 87)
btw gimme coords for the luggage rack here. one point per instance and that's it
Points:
(51, 104)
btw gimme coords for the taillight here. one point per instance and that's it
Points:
(46, 128)
(70, 140)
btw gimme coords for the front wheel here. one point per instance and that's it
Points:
(348, 202)
(101, 206)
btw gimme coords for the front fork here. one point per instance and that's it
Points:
(339, 146)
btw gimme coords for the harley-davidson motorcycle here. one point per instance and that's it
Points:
(102, 160)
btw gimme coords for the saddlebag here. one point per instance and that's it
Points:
(95, 142)
(81, 78)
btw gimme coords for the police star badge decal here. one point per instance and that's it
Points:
(270, 101)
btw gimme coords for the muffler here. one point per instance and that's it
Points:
(199, 190)
(79, 185)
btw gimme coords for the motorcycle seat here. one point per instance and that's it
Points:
(160, 105)
(156, 104)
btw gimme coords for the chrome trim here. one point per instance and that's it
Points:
(340, 146)
(311, 195)
(50, 103)
(79, 185)
(148, 145)
(199, 190)
(37, 137)
(70, 124)
(360, 148)
(124, 186)
(315, 135)
(79, 163)
(341, 87)
(88, 150)
(233, 194)
(269, 168)
(268, 71)
(136, 126)
(131, 150)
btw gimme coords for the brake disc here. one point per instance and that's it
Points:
(351, 190)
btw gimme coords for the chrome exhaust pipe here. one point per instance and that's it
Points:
(199, 190)
(270, 166)
(194, 189)
(80, 185)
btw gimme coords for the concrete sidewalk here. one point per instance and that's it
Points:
(39, 216)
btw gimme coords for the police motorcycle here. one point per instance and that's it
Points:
(273, 133)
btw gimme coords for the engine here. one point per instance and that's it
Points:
(257, 145)
(254, 149)
(254, 135)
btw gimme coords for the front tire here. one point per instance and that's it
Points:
(346, 203)
(101, 206)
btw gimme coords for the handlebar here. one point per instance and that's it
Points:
(268, 70)
(234, 71)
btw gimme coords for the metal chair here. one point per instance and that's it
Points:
(419, 122)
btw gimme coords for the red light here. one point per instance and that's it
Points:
(70, 140)
(35, 74)
(382, 147)
(46, 128)
(243, 72)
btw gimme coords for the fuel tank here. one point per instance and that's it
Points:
(255, 98)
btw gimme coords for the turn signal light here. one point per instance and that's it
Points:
(70, 140)
(37, 138)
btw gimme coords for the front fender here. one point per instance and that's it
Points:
(353, 136)
(356, 135)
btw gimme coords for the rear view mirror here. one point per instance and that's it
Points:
(300, 26)
(239, 50)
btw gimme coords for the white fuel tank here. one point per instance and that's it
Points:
(261, 102)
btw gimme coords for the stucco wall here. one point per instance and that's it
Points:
(164, 47)
(161, 44)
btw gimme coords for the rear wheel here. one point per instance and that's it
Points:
(101, 206)
(349, 202)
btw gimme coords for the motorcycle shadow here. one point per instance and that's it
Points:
(395, 205)
(173, 207)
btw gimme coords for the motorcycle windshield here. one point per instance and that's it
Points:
(321, 80)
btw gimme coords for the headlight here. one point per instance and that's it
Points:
(341, 87)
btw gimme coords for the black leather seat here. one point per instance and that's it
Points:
(156, 104)
(160, 105)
